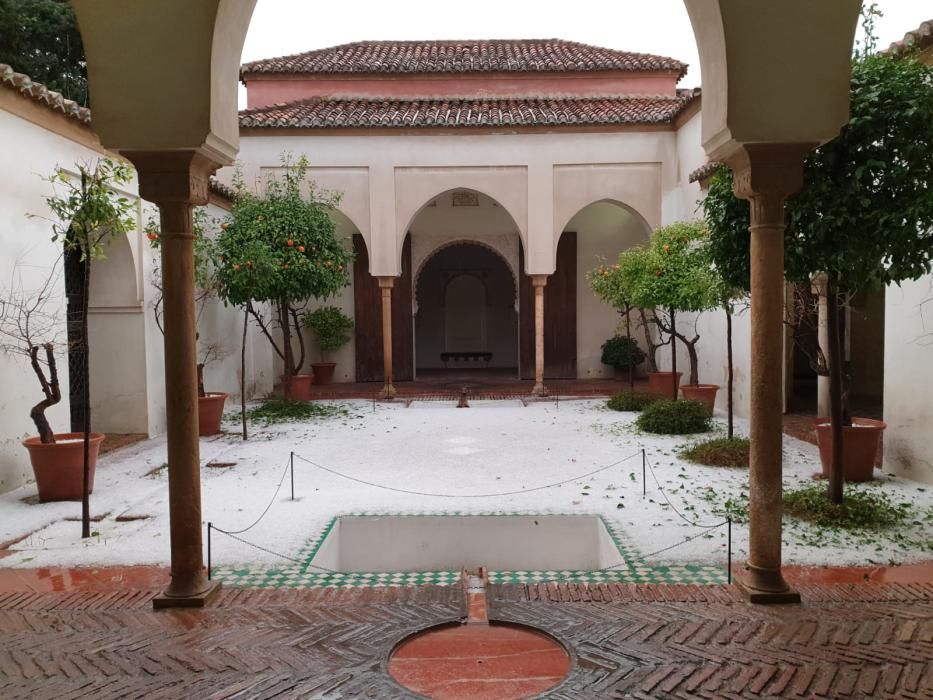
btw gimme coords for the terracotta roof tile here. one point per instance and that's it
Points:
(919, 38)
(23, 84)
(705, 171)
(488, 56)
(326, 113)
(222, 190)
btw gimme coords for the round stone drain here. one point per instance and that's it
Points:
(497, 661)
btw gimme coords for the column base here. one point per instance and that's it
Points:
(540, 390)
(166, 600)
(388, 392)
(765, 587)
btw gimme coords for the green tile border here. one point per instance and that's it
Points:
(303, 575)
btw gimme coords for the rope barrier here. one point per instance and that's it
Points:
(462, 495)
(289, 468)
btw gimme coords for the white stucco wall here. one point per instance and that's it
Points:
(908, 379)
(31, 152)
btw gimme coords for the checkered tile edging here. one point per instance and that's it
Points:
(304, 575)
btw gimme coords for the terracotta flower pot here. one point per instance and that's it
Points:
(59, 467)
(323, 372)
(301, 387)
(859, 446)
(663, 383)
(704, 393)
(210, 412)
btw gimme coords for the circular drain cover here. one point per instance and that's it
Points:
(477, 661)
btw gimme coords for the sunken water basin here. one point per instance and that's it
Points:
(421, 543)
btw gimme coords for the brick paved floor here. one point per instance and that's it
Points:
(857, 640)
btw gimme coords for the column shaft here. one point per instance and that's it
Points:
(385, 286)
(539, 282)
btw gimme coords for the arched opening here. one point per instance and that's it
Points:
(466, 318)
(602, 229)
(117, 343)
(465, 254)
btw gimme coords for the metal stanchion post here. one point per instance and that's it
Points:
(729, 549)
(209, 551)
(291, 459)
(644, 473)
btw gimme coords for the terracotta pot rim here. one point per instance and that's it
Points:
(213, 395)
(857, 424)
(36, 441)
(679, 374)
(323, 364)
(700, 386)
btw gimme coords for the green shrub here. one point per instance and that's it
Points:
(861, 510)
(630, 401)
(332, 328)
(719, 452)
(621, 352)
(284, 411)
(669, 417)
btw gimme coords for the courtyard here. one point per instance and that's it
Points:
(414, 457)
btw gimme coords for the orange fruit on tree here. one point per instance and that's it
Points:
(301, 249)
(290, 242)
(223, 226)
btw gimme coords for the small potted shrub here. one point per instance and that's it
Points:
(332, 330)
(622, 354)
(29, 329)
(670, 417)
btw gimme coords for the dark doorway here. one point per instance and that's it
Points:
(367, 302)
(466, 318)
(560, 315)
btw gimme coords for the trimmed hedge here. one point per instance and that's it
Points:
(630, 401)
(669, 417)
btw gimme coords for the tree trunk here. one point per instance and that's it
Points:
(834, 357)
(729, 378)
(674, 353)
(201, 391)
(628, 335)
(652, 347)
(86, 378)
(287, 354)
(243, 372)
(694, 359)
(51, 390)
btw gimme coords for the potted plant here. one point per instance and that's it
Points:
(672, 274)
(210, 404)
(332, 330)
(87, 213)
(622, 354)
(863, 219)
(30, 328)
(277, 251)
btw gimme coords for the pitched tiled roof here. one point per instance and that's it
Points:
(326, 113)
(495, 55)
(704, 171)
(919, 38)
(222, 190)
(23, 84)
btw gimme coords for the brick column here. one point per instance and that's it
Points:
(539, 282)
(176, 181)
(766, 175)
(385, 286)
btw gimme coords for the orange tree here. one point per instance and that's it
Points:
(864, 216)
(276, 251)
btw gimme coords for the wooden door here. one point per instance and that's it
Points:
(560, 315)
(367, 309)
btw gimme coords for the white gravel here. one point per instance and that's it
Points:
(494, 446)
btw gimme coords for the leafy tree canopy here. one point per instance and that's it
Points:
(865, 212)
(674, 271)
(41, 38)
(281, 246)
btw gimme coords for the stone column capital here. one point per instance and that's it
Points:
(386, 282)
(818, 283)
(167, 177)
(766, 174)
(539, 281)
